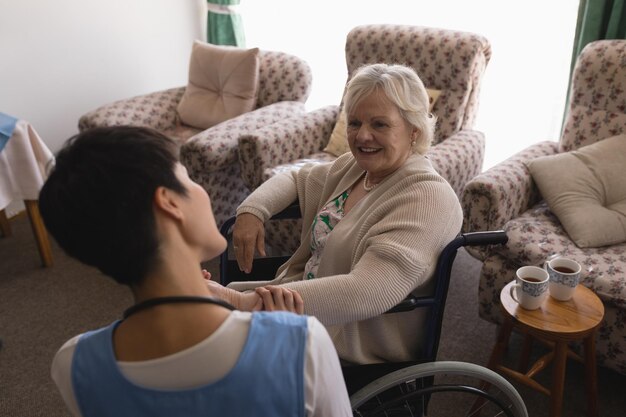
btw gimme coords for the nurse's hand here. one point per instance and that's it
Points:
(248, 236)
(277, 298)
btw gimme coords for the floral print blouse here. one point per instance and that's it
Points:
(324, 223)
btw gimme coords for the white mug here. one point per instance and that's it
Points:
(564, 277)
(530, 288)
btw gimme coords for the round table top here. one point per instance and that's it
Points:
(573, 318)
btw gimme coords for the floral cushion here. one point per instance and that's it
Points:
(156, 110)
(181, 133)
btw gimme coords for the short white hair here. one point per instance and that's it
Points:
(404, 88)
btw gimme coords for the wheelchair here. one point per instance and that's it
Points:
(418, 388)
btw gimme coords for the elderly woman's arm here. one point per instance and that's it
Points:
(398, 254)
(248, 232)
(270, 198)
(274, 195)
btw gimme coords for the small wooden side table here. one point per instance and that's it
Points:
(555, 323)
(39, 230)
(23, 165)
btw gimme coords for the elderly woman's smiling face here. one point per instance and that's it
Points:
(379, 137)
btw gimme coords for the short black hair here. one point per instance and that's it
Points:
(98, 200)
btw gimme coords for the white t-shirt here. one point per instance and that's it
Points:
(325, 393)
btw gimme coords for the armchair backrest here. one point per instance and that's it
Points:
(282, 77)
(446, 60)
(597, 108)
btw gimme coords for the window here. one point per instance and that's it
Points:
(524, 87)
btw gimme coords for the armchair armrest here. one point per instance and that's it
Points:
(284, 141)
(216, 147)
(503, 192)
(156, 110)
(459, 158)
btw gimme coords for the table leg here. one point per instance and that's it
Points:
(501, 344)
(32, 207)
(524, 358)
(5, 227)
(558, 378)
(591, 372)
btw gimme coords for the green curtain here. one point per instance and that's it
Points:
(224, 25)
(597, 19)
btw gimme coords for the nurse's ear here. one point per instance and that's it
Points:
(168, 203)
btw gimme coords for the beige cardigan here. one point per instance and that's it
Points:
(384, 248)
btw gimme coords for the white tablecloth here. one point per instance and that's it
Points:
(24, 162)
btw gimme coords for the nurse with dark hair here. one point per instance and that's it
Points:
(119, 200)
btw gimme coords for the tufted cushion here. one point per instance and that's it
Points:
(338, 144)
(587, 191)
(222, 84)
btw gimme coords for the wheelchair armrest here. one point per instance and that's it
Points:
(291, 212)
(496, 237)
(408, 304)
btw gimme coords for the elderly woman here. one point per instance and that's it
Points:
(374, 222)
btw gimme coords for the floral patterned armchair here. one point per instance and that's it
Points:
(505, 197)
(450, 61)
(211, 155)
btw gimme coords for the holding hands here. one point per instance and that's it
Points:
(269, 298)
(248, 237)
(277, 298)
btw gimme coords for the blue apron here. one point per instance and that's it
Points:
(267, 380)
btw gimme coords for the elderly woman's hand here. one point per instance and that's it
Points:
(277, 298)
(248, 235)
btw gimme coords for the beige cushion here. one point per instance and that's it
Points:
(222, 84)
(586, 190)
(338, 143)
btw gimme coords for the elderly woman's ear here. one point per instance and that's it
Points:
(416, 134)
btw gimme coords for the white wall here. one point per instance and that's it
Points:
(62, 58)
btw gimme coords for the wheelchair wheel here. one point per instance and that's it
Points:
(451, 389)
